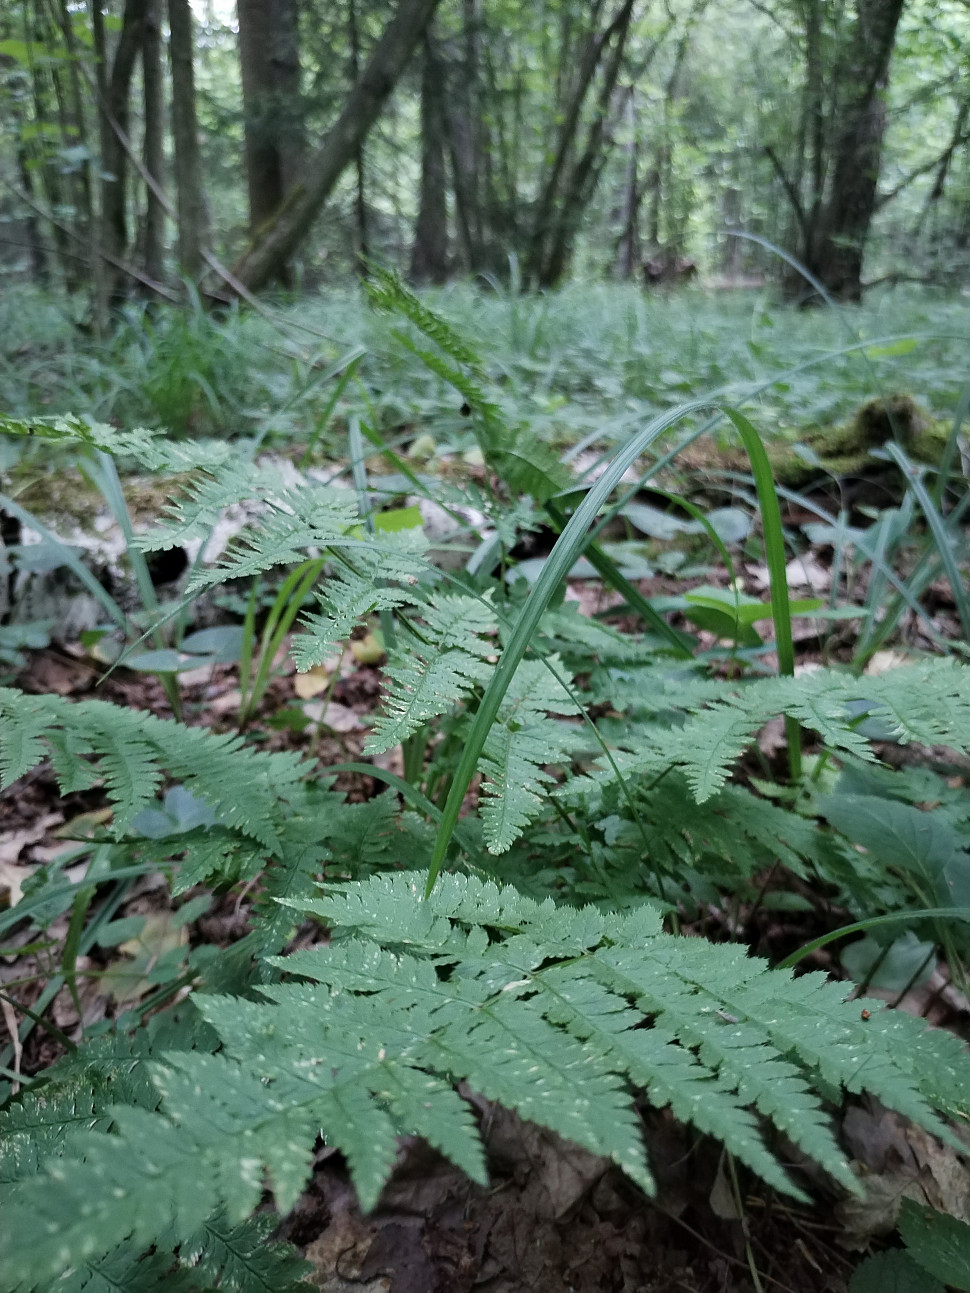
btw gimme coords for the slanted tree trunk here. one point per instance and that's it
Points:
(558, 221)
(277, 243)
(269, 57)
(429, 255)
(190, 204)
(153, 229)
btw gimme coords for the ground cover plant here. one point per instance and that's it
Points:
(574, 793)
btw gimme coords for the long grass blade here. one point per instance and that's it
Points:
(560, 561)
(938, 529)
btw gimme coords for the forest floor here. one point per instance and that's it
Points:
(554, 1217)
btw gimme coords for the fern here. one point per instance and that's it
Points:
(519, 458)
(521, 742)
(537, 1006)
(146, 447)
(433, 668)
(927, 702)
(135, 750)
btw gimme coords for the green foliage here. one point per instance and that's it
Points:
(538, 1006)
(605, 775)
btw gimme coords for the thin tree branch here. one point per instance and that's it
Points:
(790, 192)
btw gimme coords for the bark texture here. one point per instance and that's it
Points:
(192, 217)
(291, 224)
(429, 255)
(833, 231)
(269, 58)
(115, 87)
(153, 228)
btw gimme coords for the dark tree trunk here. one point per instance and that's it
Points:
(429, 255)
(834, 232)
(277, 243)
(115, 87)
(269, 57)
(360, 196)
(629, 252)
(556, 232)
(39, 264)
(191, 209)
(153, 230)
(55, 186)
(465, 129)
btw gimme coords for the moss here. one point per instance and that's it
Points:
(841, 450)
(64, 497)
(58, 496)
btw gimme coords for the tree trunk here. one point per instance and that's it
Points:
(153, 230)
(429, 255)
(191, 209)
(277, 243)
(555, 250)
(269, 58)
(360, 196)
(115, 87)
(54, 184)
(629, 252)
(836, 246)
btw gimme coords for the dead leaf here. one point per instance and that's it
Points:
(227, 703)
(14, 843)
(338, 1255)
(895, 1160)
(883, 661)
(12, 879)
(313, 682)
(336, 717)
(125, 980)
(10, 1019)
(368, 650)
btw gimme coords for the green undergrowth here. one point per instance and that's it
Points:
(588, 357)
(510, 913)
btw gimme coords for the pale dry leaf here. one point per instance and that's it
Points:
(883, 661)
(313, 682)
(13, 843)
(12, 881)
(338, 718)
(10, 1019)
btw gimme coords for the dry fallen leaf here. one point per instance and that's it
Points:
(336, 717)
(368, 650)
(125, 980)
(313, 682)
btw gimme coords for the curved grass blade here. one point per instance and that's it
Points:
(938, 529)
(860, 926)
(560, 561)
(774, 540)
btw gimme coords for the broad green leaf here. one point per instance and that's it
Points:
(940, 1243)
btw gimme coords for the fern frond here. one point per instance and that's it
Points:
(205, 498)
(429, 674)
(388, 292)
(383, 576)
(148, 448)
(134, 750)
(928, 702)
(521, 742)
(243, 1258)
(539, 1006)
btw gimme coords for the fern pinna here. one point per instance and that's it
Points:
(563, 1014)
